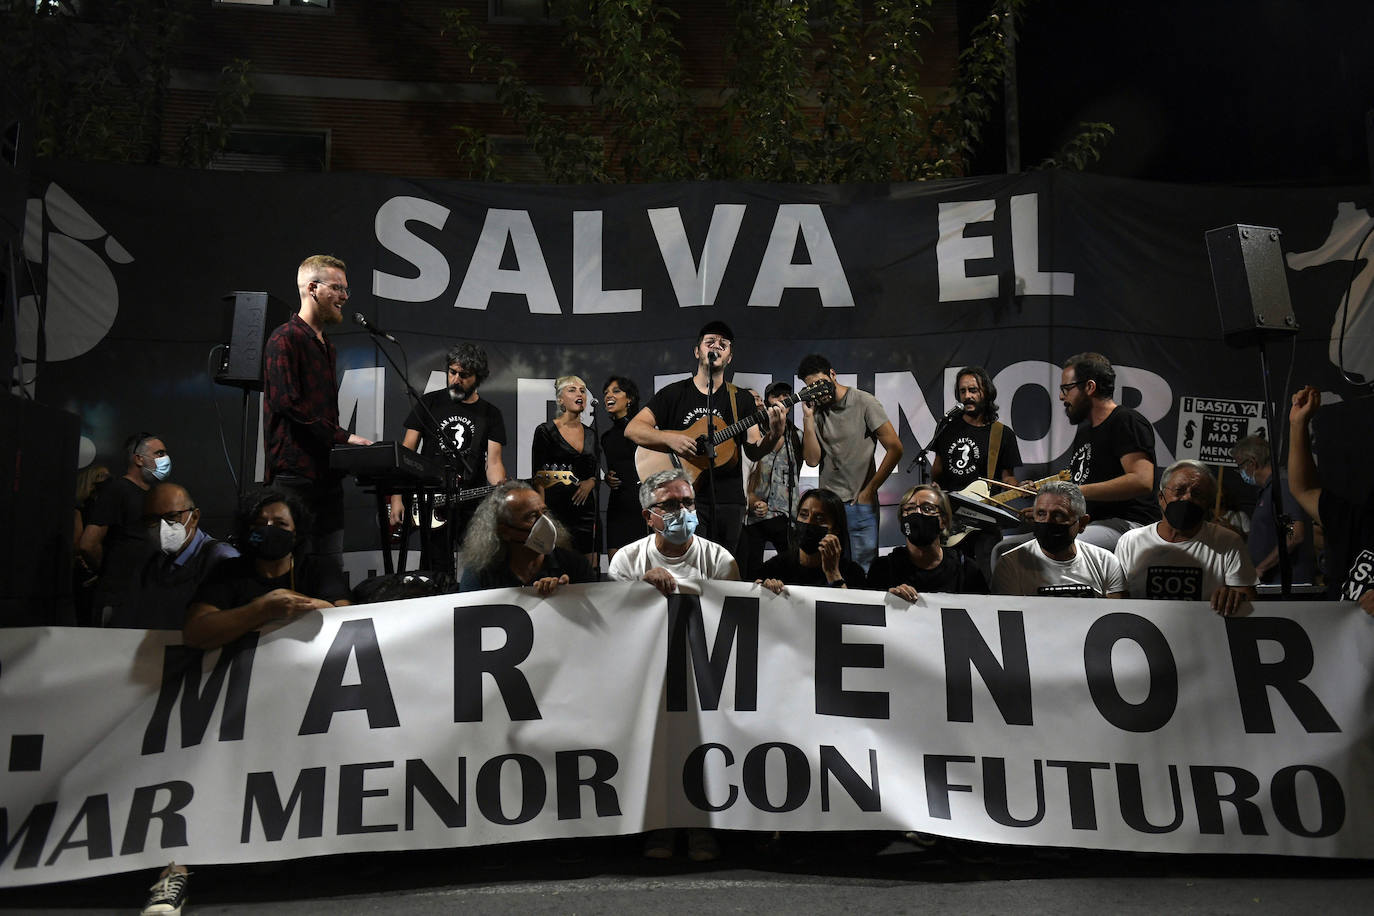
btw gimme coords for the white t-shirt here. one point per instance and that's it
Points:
(703, 560)
(1028, 571)
(1190, 570)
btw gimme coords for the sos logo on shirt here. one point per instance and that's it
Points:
(1361, 576)
(1177, 583)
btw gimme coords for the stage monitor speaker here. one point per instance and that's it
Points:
(1251, 284)
(37, 486)
(242, 367)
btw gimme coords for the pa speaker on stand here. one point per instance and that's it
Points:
(1251, 283)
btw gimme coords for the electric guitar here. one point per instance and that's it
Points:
(975, 507)
(649, 461)
(553, 478)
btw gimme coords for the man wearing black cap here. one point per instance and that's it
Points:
(676, 415)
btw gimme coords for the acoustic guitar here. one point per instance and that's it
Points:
(649, 461)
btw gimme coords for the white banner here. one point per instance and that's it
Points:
(496, 716)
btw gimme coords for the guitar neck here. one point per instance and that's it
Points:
(475, 492)
(1009, 495)
(754, 419)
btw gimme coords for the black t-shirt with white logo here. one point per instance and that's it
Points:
(468, 426)
(964, 451)
(1349, 530)
(679, 405)
(1096, 455)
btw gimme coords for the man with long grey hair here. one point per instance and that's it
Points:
(514, 541)
(1056, 561)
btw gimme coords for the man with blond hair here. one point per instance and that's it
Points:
(300, 403)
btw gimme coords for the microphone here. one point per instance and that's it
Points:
(712, 357)
(954, 412)
(591, 399)
(361, 321)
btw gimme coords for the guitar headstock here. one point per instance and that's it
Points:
(819, 392)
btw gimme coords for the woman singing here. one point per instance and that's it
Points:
(624, 521)
(563, 456)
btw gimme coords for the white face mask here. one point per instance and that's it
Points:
(171, 536)
(543, 536)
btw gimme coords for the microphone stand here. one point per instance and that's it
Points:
(923, 476)
(453, 461)
(790, 456)
(710, 444)
(598, 530)
(1278, 517)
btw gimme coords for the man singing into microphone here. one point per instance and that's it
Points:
(300, 404)
(974, 444)
(675, 408)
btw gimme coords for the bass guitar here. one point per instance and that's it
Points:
(439, 509)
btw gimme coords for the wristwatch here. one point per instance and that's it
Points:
(837, 583)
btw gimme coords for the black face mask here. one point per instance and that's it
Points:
(809, 536)
(1184, 514)
(1053, 537)
(921, 530)
(269, 542)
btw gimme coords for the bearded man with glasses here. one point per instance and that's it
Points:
(1112, 458)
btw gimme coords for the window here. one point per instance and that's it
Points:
(289, 4)
(267, 149)
(518, 10)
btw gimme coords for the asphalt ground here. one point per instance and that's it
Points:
(814, 873)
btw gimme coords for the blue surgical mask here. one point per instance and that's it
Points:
(162, 467)
(679, 527)
(1247, 476)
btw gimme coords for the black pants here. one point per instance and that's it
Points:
(725, 527)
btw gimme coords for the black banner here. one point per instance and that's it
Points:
(897, 284)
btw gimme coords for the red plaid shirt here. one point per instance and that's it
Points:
(300, 402)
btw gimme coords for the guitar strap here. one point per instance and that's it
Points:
(994, 446)
(734, 408)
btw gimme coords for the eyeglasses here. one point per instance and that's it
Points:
(673, 506)
(922, 508)
(1068, 386)
(336, 287)
(171, 518)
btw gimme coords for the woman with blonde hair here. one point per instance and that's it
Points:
(564, 459)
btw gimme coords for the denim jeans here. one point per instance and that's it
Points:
(863, 533)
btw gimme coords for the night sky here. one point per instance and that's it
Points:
(1270, 92)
